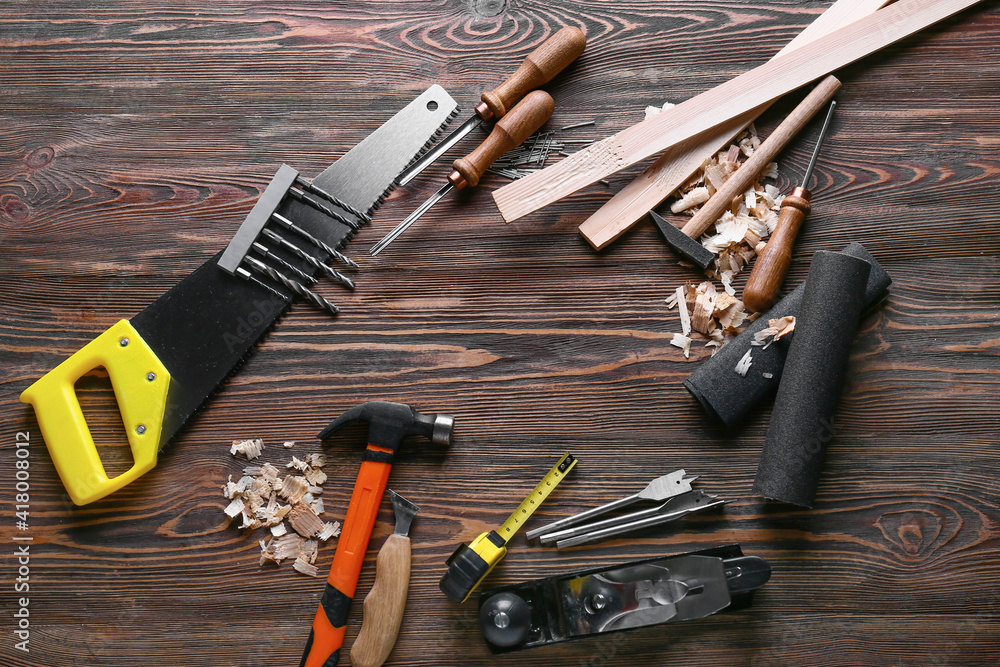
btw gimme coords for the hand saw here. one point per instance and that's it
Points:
(170, 357)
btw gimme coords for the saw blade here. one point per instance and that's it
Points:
(366, 174)
(206, 326)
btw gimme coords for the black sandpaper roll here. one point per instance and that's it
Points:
(728, 397)
(802, 420)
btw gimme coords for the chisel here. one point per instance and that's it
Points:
(540, 67)
(510, 132)
(383, 607)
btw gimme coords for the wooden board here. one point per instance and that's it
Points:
(668, 172)
(723, 103)
(134, 139)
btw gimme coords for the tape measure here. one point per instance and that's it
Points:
(469, 565)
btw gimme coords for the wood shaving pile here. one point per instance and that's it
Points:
(736, 238)
(257, 497)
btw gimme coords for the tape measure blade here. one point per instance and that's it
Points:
(537, 496)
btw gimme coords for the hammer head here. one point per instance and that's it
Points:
(389, 423)
(683, 244)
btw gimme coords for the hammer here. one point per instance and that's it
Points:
(685, 240)
(388, 424)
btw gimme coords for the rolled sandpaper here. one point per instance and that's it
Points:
(729, 397)
(802, 420)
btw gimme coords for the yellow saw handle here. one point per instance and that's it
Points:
(140, 382)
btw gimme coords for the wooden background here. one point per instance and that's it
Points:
(135, 137)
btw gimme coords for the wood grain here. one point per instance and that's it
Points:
(134, 139)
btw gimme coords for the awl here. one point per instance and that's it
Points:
(510, 132)
(540, 67)
(771, 266)
(384, 604)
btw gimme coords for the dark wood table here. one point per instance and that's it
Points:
(134, 139)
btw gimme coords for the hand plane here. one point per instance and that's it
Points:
(633, 595)
(169, 358)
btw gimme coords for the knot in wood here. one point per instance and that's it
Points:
(487, 8)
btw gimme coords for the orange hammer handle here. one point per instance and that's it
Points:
(330, 624)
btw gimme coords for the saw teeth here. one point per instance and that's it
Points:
(381, 198)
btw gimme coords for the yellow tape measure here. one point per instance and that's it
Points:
(469, 565)
(535, 498)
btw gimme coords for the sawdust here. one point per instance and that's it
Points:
(257, 499)
(709, 308)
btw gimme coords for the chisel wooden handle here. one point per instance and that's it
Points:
(538, 68)
(510, 132)
(772, 263)
(384, 604)
(756, 163)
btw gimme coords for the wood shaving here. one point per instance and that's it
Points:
(743, 365)
(262, 498)
(234, 508)
(775, 330)
(316, 477)
(294, 489)
(683, 342)
(304, 521)
(305, 567)
(695, 197)
(329, 530)
(651, 111)
(248, 448)
(736, 238)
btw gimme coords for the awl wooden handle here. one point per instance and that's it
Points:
(538, 68)
(383, 607)
(772, 263)
(510, 131)
(757, 163)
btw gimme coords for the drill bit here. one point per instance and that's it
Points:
(296, 287)
(295, 193)
(266, 253)
(306, 257)
(319, 192)
(325, 247)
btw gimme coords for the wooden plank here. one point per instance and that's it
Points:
(721, 104)
(674, 167)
